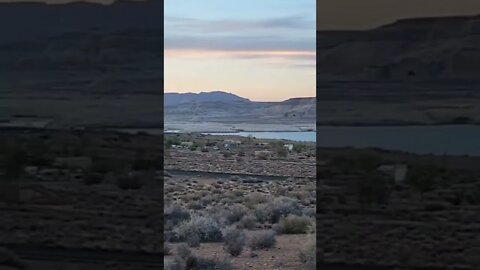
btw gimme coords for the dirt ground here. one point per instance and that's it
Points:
(283, 256)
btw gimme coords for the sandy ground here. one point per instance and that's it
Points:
(283, 256)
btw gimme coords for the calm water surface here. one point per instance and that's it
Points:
(306, 136)
(452, 140)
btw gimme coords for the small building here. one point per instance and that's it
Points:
(288, 146)
(397, 171)
(233, 142)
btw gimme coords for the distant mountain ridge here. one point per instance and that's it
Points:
(173, 99)
(218, 105)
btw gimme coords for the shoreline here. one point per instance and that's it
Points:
(293, 130)
(397, 124)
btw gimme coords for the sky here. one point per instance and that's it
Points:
(262, 50)
(367, 14)
(105, 2)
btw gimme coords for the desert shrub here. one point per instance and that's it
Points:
(185, 260)
(169, 141)
(183, 251)
(281, 206)
(237, 193)
(293, 224)
(227, 154)
(235, 213)
(224, 264)
(176, 214)
(310, 212)
(234, 241)
(129, 182)
(282, 152)
(253, 199)
(167, 249)
(206, 228)
(91, 178)
(209, 264)
(208, 199)
(175, 265)
(262, 240)
(308, 255)
(195, 205)
(262, 155)
(299, 148)
(373, 188)
(423, 180)
(192, 238)
(248, 221)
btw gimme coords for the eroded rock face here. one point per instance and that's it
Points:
(415, 49)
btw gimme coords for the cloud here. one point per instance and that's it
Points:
(287, 39)
(240, 43)
(297, 55)
(215, 26)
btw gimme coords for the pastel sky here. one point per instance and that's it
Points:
(263, 50)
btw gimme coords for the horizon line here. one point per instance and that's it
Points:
(251, 99)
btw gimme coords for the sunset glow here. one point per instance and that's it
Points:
(262, 50)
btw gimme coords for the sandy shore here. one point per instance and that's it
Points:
(249, 127)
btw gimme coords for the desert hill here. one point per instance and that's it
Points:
(221, 106)
(446, 48)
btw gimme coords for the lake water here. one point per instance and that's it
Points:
(304, 136)
(452, 140)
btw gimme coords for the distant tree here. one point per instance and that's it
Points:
(282, 152)
(422, 180)
(299, 148)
